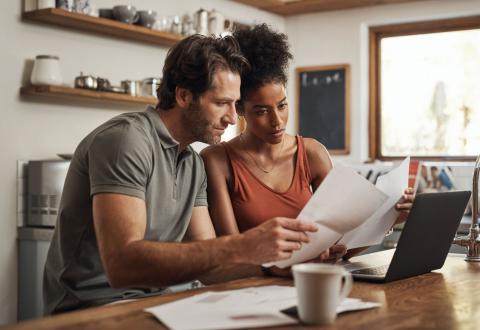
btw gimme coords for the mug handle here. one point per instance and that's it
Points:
(347, 285)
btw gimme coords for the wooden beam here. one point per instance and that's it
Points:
(296, 7)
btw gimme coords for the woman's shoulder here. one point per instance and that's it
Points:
(314, 148)
(215, 157)
(215, 153)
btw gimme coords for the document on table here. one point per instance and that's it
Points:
(234, 309)
(372, 231)
(341, 203)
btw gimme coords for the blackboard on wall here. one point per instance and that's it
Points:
(323, 105)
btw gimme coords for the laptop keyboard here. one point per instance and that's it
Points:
(380, 270)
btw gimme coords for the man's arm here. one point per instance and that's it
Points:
(201, 228)
(129, 260)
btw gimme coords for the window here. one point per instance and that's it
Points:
(425, 89)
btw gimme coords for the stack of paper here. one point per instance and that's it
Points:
(234, 309)
(350, 210)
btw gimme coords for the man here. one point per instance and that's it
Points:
(135, 189)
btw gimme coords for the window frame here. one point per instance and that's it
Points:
(375, 35)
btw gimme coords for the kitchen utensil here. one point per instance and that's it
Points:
(147, 18)
(216, 22)
(126, 14)
(187, 25)
(149, 86)
(46, 70)
(130, 86)
(87, 81)
(117, 89)
(105, 13)
(103, 84)
(81, 6)
(176, 25)
(64, 4)
(200, 21)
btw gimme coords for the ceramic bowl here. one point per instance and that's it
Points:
(126, 14)
(147, 18)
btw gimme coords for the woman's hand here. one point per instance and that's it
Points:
(404, 205)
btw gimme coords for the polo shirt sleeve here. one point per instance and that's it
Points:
(120, 161)
(201, 198)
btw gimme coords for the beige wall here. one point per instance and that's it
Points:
(31, 130)
(341, 37)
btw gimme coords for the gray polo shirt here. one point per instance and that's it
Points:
(131, 154)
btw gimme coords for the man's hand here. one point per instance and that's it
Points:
(331, 255)
(404, 205)
(273, 240)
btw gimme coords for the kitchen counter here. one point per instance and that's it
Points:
(445, 299)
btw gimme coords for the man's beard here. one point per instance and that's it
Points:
(197, 125)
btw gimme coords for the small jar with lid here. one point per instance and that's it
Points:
(46, 70)
(149, 86)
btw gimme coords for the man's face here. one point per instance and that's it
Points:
(207, 117)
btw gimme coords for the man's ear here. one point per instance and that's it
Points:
(183, 97)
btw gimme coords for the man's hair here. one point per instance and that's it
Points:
(192, 63)
(268, 53)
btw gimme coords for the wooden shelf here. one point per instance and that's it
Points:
(85, 94)
(102, 26)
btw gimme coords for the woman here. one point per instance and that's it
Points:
(264, 172)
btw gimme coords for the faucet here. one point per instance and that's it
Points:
(472, 241)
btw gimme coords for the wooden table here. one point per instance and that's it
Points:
(444, 299)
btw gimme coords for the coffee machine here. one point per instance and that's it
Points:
(45, 185)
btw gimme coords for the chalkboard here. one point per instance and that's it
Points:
(323, 105)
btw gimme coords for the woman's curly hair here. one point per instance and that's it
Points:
(268, 53)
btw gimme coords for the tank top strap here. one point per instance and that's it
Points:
(302, 161)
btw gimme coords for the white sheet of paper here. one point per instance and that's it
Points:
(372, 231)
(341, 203)
(244, 308)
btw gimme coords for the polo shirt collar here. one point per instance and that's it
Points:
(166, 139)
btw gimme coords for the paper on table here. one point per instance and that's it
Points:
(341, 203)
(244, 308)
(373, 230)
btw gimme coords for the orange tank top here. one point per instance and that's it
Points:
(254, 202)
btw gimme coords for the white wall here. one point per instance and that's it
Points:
(340, 37)
(32, 130)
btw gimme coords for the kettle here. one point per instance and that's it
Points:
(200, 21)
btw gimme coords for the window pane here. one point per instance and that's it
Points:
(430, 94)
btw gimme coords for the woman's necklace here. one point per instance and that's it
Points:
(255, 162)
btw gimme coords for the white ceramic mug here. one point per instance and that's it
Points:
(320, 289)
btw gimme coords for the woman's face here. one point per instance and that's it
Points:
(266, 112)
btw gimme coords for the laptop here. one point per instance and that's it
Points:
(425, 240)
